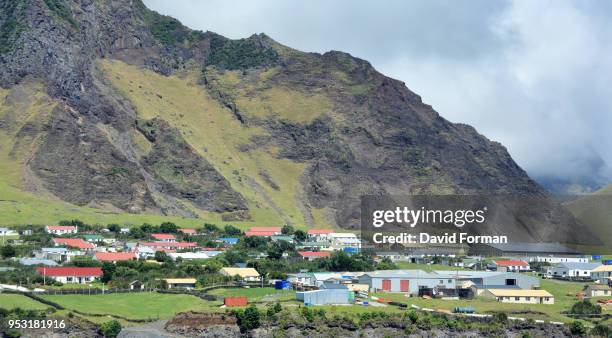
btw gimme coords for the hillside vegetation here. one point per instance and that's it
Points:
(595, 212)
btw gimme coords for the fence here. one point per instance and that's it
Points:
(92, 291)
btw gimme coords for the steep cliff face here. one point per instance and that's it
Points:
(150, 116)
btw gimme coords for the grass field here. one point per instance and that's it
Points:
(10, 301)
(134, 305)
(256, 294)
(564, 292)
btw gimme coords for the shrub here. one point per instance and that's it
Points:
(308, 314)
(12, 334)
(110, 329)
(585, 307)
(413, 316)
(248, 319)
(500, 318)
(577, 327)
(601, 330)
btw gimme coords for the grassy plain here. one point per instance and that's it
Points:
(134, 305)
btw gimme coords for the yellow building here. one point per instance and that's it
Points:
(186, 283)
(520, 296)
(246, 274)
(602, 273)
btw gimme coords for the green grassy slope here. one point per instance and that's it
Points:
(11, 301)
(19, 106)
(217, 135)
(209, 127)
(595, 211)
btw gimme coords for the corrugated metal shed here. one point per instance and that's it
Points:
(325, 296)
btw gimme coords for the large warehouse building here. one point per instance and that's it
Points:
(420, 282)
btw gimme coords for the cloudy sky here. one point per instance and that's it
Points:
(533, 75)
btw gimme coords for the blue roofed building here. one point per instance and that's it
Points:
(228, 240)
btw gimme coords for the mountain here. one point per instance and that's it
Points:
(594, 211)
(111, 111)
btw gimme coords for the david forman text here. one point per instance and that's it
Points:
(425, 238)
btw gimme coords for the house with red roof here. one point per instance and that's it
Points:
(74, 243)
(114, 256)
(164, 237)
(312, 255)
(509, 265)
(189, 232)
(70, 275)
(263, 231)
(61, 229)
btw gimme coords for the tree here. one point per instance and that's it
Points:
(137, 232)
(114, 228)
(235, 256)
(277, 249)
(256, 242)
(210, 228)
(8, 251)
(577, 328)
(287, 230)
(249, 319)
(84, 261)
(108, 271)
(300, 235)
(146, 228)
(585, 307)
(386, 264)
(231, 230)
(168, 228)
(111, 329)
(161, 256)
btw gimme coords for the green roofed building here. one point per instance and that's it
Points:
(286, 238)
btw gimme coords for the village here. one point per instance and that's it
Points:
(227, 267)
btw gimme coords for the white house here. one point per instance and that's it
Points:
(598, 290)
(509, 265)
(70, 275)
(194, 255)
(520, 296)
(302, 279)
(341, 240)
(574, 270)
(7, 232)
(58, 254)
(557, 259)
(61, 229)
(317, 235)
